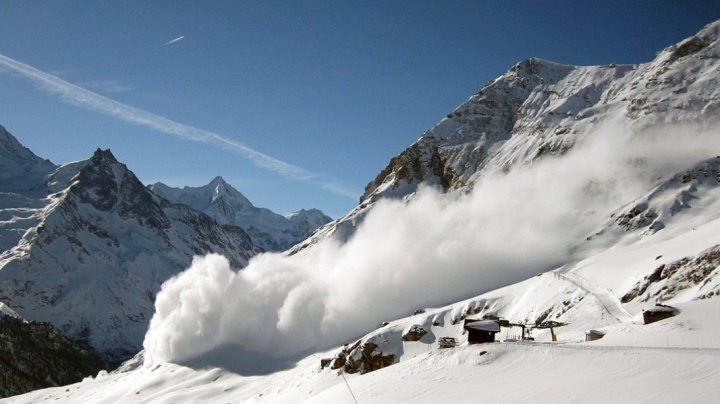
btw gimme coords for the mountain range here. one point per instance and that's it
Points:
(576, 197)
(267, 229)
(86, 245)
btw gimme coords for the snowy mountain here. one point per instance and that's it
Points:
(21, 171)
(90, 257)
(268, 230)
(22, 184)
(563, 196)
(541, 109)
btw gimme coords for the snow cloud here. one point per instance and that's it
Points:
(433, 249)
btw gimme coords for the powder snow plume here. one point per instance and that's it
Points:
(434, 249)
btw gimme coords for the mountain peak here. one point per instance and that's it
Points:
(110, 186)
(218, 181)
(21, 170)
(104, 155)
(227, 205)
(222, 189)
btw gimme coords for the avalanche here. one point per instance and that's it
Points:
(667, 361)
(581, 195)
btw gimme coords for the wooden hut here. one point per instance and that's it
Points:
(593, 335)
(658, 312)
(480, 331)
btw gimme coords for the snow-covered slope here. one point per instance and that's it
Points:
(268, 230)
(98, 250)
(680, 353)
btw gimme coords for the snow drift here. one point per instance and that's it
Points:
(435, 248)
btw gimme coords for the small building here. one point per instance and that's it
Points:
(480, 331)
(658, 312)
(593, 335)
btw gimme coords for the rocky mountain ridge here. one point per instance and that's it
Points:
(541, 108)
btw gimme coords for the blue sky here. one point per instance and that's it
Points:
(300, 103)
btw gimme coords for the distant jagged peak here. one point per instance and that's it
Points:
(104, 155)
(218, 180)
(225, 204)
(65, 174)
(103, 166)
(217, 191)
(222, 189)
(110, 186)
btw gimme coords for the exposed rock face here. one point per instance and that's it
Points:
(413, 166)
(414, 333)
(362, 357)
(109, 186)
(37, 355)
(653, 211)
(668, 280)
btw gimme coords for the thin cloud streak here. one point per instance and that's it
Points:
(172, 41)
(109, 86)
(82, 97)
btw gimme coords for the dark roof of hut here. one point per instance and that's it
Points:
(661, 308)
(483, 325)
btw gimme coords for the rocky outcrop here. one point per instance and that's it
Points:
(650, 213)
(361, 357)
(421, 162)
(414, 333)
(36, 355)
(668, 280)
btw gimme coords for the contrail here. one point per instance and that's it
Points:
(180, 38)
(76, 95)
